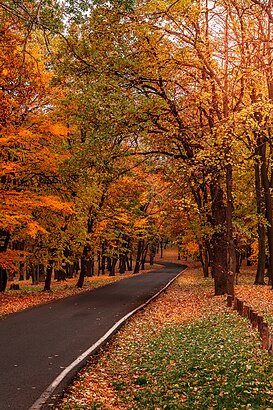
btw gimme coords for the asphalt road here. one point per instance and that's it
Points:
(39, 343)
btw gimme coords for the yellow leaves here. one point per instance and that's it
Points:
(140, 224)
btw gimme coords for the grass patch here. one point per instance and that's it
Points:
(213, 363)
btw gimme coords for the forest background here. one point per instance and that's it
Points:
(125, 124)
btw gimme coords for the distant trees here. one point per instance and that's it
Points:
(133, 121)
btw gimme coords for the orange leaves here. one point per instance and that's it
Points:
(54, 203)
(31, 149)
(9, 258)
(16, 210)
(33, 228)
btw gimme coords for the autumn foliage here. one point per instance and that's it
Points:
(125, 124)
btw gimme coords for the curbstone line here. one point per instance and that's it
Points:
(43, 401)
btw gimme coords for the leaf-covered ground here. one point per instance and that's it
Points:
(187, 350)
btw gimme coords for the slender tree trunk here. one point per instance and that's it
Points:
(140, 247)
(83, 270)
(143, 259)
(204, 258)
(260, 273)
(231, 252)
(219, 240)
(48, 277)
(99, 262)
(152, 254)
(161, 248)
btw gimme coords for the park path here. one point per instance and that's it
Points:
(39, 343)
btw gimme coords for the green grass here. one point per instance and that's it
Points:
(211, 364)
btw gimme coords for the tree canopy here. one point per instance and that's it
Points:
(124, 123)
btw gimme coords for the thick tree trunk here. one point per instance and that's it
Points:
(5, 238)
(3, 279)
(268, 210)
(122, 263)
(113, 266)
(129, 263)
(260, 273)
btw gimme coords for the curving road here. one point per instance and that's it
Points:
(36, 345)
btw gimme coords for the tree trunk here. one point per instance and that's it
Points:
(129, 263)
(260, 273)
(99, 262)
(48, 277)
(231, 252)
(122, 263)
(204, 258)
(3, 279)
(5, 238)
(161, 248)
(113, 266)
(143, 259)
(83, 270)
(152, 254)
(140, 247)
(268, 210)
(219, 240)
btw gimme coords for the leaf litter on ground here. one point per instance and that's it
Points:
(186, 350)
(126, 374)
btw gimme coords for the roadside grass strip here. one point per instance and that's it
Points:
(209, 358)
(213, 363)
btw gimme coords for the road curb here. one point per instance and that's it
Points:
(49, 397)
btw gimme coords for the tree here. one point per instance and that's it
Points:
(27, 135)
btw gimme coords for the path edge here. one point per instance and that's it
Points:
(53, 392)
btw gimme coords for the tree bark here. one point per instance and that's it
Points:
(205, 260)
(3, 279)
(5, 238)
(231, 252)
(113, 266)
(140, 248)
(48, 277)
(83, 271)
(219, 240)
(260, 273)
(268, 210)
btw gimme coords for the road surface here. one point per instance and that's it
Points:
(39, 343)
